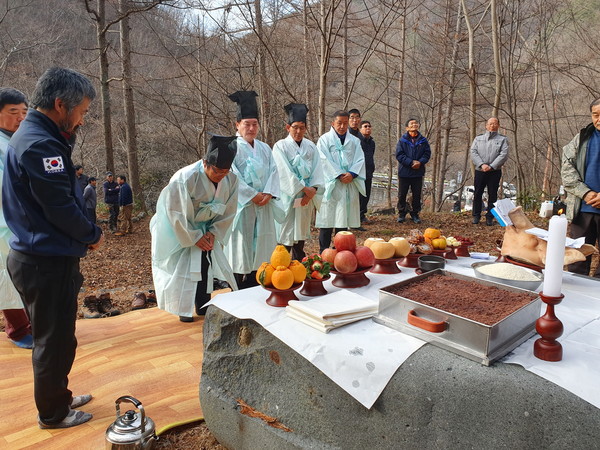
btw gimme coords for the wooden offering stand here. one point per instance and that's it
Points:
(351, 280)
(313, 287)
(281, 297)
(447, 253)
(463, 250)
(550, 328)
(411, 260)
(386, 266)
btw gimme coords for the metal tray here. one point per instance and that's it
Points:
(466, 337)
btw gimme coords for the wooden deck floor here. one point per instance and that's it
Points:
(147, 354)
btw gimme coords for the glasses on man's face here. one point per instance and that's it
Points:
(366, 126)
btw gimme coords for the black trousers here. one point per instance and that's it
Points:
(48, 286)
(113, 209)
(297, 250)
(490, 181)
(202, 297)
(325, 237)
(91, 214)
(415, 184)
(246, 280)
(588, 225)
(364, 199)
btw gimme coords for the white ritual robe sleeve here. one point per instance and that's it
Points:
(9, 297)
(291, 184)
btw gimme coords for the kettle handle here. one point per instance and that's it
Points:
(138, 405)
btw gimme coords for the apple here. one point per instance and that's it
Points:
(328, 255)
(401, 245)
(344, 240)
(370, 241)
(345, 262)
(364, 257)
(383, 250)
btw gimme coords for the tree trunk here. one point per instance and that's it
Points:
(262, 74)
(497, 64)
(130, 126)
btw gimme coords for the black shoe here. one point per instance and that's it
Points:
(364, 220)
(489, 221)
(401, 219)
(415, 218)
(476, 220)
(91, 308)
(106, 306)
(186, 319)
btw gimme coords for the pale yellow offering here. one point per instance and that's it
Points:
(401, 246)
(370, 241)
(383, 250)
(507, 271)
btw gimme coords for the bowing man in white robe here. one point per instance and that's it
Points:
(193, 219)
(300, 178)
(253, 237)
(344, 171)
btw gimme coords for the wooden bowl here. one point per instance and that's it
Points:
(351, 280)
(386, 266)
(281, 297)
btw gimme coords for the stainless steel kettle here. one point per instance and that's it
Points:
(131, 430)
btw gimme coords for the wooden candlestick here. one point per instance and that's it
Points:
(549, 327)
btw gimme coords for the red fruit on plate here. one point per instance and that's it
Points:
(345, 262)
(316, 275)
(328, 255)
(364, 257)
(344, 240)
(317, 265)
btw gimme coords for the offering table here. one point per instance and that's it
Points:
(435, 399)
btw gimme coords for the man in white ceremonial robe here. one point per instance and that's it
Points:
(301, 179)
(193, 219)
(253, 237)
(343, 165)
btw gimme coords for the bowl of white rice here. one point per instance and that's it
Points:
(506, 273)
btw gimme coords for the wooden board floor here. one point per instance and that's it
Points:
(148, 354)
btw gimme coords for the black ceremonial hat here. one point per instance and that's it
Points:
(296, 112)
(221, 151)
(247, 107)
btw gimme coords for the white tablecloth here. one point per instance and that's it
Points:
(354, 358)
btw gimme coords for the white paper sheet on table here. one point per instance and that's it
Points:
(360, 357)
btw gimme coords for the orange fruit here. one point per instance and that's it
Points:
(282, 278)
(280, 257)
(268, 270)
(298, 270)
(432, 233)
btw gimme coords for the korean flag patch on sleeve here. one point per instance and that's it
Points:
(53, 164)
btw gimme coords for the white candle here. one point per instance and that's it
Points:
(555, 256)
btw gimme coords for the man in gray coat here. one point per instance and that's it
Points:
(581, 177)
(489, 152)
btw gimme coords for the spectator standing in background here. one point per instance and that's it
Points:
(412, 153)
(111, 198)
(89, 196)
(126, 205)
(354, 123)
(82, 178)
(13, 109)
(368, 147)
(489, 152)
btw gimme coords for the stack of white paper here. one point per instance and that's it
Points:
(332, 310)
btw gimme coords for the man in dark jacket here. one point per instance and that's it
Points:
(368, 147)
(44, 208)
(126, 205)
(89, 196)
(412, 153)
(111, 198)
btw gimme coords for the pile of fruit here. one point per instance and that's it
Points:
(396, 247)
(346, 257)
(281, 272)
(457, 241)
(316, 268)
